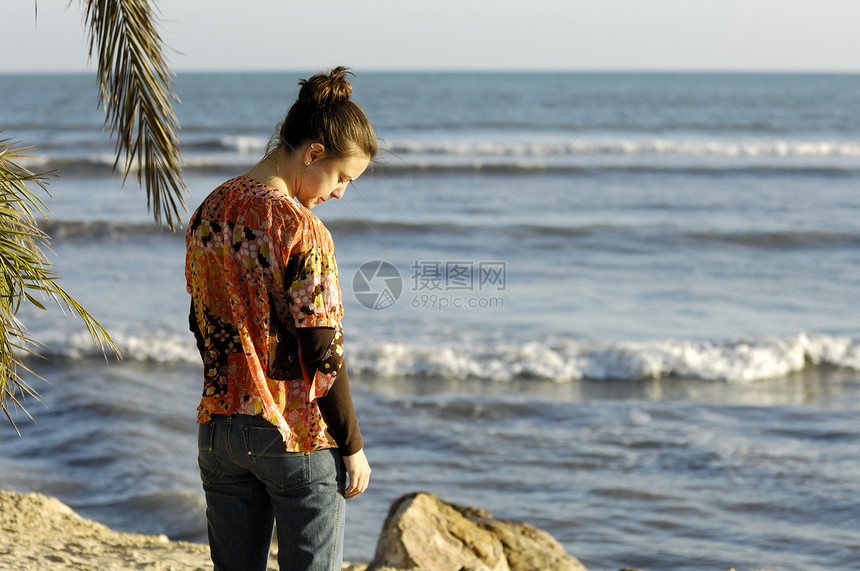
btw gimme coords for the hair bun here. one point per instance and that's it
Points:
(323, 90)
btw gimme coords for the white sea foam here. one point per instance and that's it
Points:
(157, 346)
(512, 153)
(244, 145)
(736, 361)
(569, 360)
(578, 147)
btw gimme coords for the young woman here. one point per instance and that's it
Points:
(277, 429)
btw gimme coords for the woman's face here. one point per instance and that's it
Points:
(325, 178)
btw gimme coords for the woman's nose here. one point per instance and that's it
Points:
(338, 192)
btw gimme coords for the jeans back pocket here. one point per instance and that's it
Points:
(206, 461)
(273, 465)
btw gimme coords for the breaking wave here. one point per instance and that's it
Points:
(737, 361)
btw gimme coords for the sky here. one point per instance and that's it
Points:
(398, 35)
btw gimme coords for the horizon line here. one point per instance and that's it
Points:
(524, 71)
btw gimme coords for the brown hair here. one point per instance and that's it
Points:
(324, 113)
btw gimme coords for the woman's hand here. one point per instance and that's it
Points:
(359, 474)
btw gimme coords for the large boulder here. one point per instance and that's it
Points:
(423, 532)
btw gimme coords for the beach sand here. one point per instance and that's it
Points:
(40, 532)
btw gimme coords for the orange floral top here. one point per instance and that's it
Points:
(258, 266)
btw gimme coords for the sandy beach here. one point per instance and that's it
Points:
(40, 532)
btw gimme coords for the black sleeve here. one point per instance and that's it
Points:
(336, 406)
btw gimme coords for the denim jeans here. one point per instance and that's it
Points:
(251, 482)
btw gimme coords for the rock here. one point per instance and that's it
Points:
(422, 532)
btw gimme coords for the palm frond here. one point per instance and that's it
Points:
(136, 90)
(26, 274)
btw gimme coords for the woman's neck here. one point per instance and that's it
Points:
(274, 171)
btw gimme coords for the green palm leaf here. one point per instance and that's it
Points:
(136, 90)
(26, 274)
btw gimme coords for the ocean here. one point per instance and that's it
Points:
(621, 307)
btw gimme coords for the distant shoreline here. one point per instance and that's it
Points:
(425, 72)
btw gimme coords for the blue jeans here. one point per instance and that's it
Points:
(251, 482)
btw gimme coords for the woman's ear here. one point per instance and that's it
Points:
(314, 152)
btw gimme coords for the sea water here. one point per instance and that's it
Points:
(621, 307)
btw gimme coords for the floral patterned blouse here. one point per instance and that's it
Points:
(258, 266)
